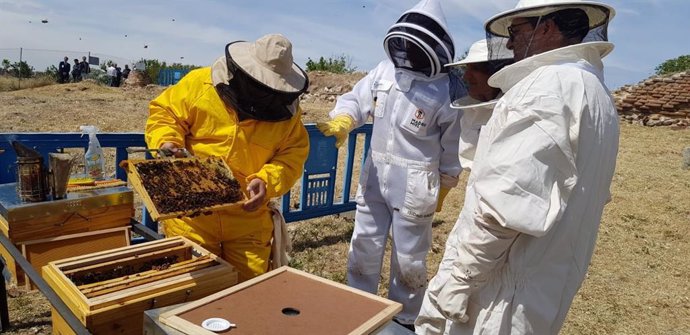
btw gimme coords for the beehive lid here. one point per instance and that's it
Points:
(185, 186)
(286, 301)
(13, 209)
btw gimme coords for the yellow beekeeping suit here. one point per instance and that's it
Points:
(192, 115)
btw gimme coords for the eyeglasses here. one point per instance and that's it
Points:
(511, 29)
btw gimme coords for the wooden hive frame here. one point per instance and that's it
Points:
(115, 304)
(139, 185)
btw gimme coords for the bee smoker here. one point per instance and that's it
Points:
(32, 175)
(32, 179)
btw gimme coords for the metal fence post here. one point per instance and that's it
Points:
(20, 68)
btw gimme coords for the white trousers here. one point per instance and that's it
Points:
(378, 214)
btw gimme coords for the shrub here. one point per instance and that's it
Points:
(679, 64)
(17, 69)
(341, 64)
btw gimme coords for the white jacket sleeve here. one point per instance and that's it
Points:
(358, 103)
(484, 246)
(449, 122)
(525, 178)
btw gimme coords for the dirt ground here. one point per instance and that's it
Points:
(638, 279)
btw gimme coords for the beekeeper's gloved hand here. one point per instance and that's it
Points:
(454, 296)
(172, 148)
(339, 127)
(441, 197)
(447, 182)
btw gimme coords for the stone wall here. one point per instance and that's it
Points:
(657, 101)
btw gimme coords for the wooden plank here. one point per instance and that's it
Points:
(179, 251)
(148, 277)
(4, 226)
(68, 293)
(137, 292)
(71, 223)
(95, 258)
(59, 325)
(73, 236)
(40, 253)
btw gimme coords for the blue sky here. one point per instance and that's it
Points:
(645, 32)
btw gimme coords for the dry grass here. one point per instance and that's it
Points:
(638, 280)
(8, 83)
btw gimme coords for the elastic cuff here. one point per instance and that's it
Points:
(448, 181)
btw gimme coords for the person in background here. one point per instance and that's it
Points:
(85, 68)
(413, 159)
(245, 109)
(76, 71)
(125, 72)
(111, 73)
(478, 104)
(64, 71)
(118, 76)
(541, 177)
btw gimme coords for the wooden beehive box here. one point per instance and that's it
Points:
(41, 252)
(109, 291)
(45, 231)
(183, 186)
(287, 302)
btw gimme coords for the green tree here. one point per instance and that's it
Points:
(22, 69)
(340, 64)
(154, 67)
(6, 65)
(679, 64)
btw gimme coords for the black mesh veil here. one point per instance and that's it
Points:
(252, 99)
(577, 22)
(420, 44)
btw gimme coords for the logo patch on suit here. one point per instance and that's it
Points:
(418, 120)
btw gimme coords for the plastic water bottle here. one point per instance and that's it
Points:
(93, 159)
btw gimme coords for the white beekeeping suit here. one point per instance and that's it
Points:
(413, 154)
(543, 167)
(476, 107)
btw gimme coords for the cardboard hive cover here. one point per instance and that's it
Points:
(285, 301)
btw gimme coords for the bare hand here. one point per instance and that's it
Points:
(172, 148)
(257, 194)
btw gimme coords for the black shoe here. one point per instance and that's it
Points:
(405, 325)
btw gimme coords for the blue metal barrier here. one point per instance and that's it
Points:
(317, 189)
(56, 142)
(167, 77)
(319, 176)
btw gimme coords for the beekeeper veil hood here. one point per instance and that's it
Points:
(419, 41)
(260, 80)
(579, 21)
(478, 54)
